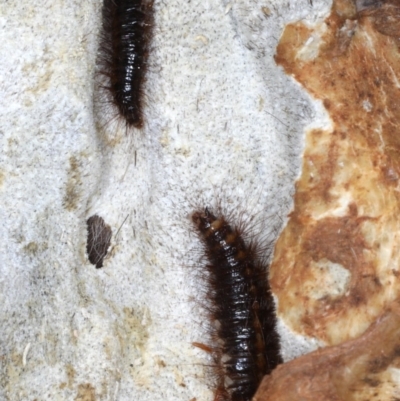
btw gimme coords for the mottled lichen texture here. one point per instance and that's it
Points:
(336, 263)
(362, 369)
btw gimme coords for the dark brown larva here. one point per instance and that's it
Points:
(98, 240)
(242, 307)
(124, 50)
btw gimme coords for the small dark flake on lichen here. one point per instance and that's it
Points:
(98, 240)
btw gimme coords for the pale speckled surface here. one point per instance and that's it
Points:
(223, 122)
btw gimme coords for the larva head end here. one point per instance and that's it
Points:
(203, 219)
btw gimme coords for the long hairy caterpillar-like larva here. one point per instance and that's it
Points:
(124, 51)
(242, 307)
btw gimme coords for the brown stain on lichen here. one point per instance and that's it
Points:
(136, 322)
(70, 371)
(70, 375)
(86, 392)
(72, 189)
(40, 78)
(11, 371)
(2, 177)
(346, 199)
(133, 334)
(31, 248)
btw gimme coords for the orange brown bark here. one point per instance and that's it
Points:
(366, 368)
(337, 262)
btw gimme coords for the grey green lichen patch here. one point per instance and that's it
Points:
(73, 190)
